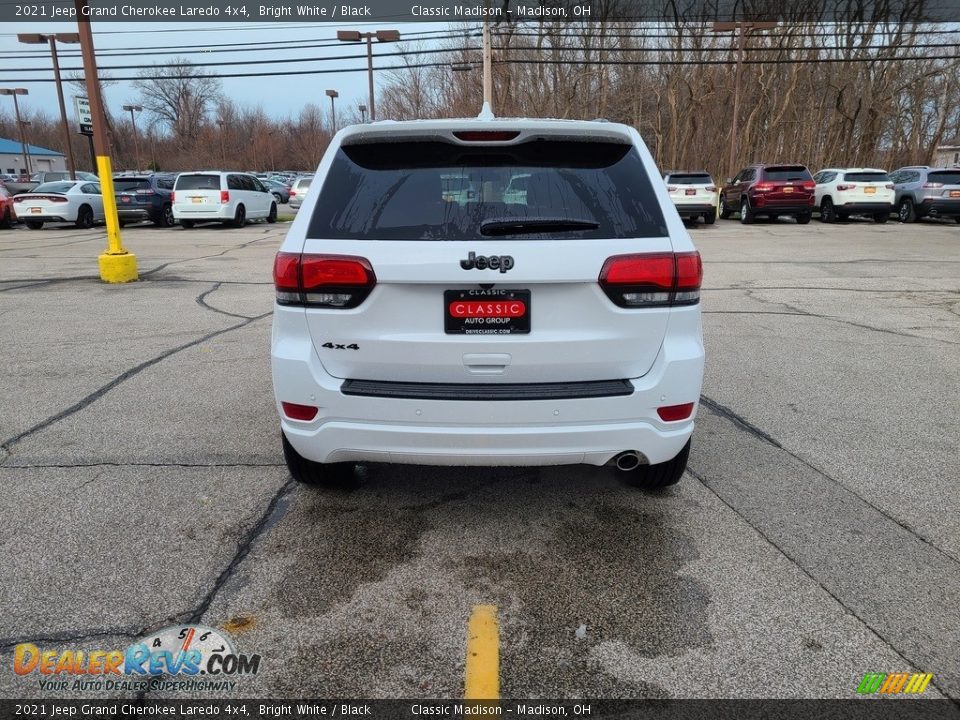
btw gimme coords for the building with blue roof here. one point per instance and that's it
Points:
(41, 158)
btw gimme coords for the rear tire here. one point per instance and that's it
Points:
(33, 224)
(7, 220)
(827, 213)
(661, 475)
(332, 475)
(746, 214)
(724, 211)
(240, 217)
(84, 217)
(186, 224)
(272, 215)
(709, 219)
(883, 217)
(804, 218)
(906, 212)
(166, 217)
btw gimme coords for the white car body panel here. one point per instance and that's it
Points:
(863, 194)
(40, 206)
(204, 204)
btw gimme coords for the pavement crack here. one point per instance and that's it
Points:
(123, 377)
(202, 302)
(797, 564)
(749, 427)
(71, 636)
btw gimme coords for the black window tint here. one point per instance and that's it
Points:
(53, 187)
(234, 182)
(913, 177)
(786, 173)
(198, 182)
(866, 177)
(165, 183)
(127, 184)
(690, 179)
(947, 177)
(88, 188)
(407, 191)
(748, 175)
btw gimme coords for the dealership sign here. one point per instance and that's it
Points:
(84, 118)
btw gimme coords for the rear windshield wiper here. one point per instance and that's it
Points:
(519, 226)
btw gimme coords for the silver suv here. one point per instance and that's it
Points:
(924, 191)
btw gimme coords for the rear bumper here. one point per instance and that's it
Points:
(135, 213)
(866, 207)
(464, 432)
(695, 210)
(940, 207)
(185, 212)
(46, 218)
(762, 205)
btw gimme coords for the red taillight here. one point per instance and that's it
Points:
(889, 186)
(672, 413)
(763, 187)
(224, 196)
(845, 187)
(809, 185)
(653, 280)
(932, 186)
(334, 281)
(671, 188)
(486, 135)
(303, 413)
(292, 192)
(173, 197)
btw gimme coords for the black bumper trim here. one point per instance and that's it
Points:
(487, 391)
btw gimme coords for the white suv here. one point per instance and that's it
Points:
(694, 194)
(228, 197)
(557, 325)
(842, 192)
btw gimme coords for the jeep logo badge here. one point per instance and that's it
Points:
(482, 262)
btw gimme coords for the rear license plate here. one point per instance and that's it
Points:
(870, 190)
(955, 193)
(36, 211)
(125, 198)
(486, 312)
(788, 189)
(691, 192)
(197, 199)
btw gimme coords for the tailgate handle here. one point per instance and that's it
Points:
(486, 363)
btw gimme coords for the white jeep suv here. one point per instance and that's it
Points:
(694, 194)
(842, 192)
(558, 325)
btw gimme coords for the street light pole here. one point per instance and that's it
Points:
(16, 110)
(223, 156)
(357, 36)
(333, 95)
(273, 164)
(117, 265)
(133, 120)
(363, 113)
(745, 29)
(71, 38)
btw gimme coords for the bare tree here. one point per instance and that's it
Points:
(178, 94)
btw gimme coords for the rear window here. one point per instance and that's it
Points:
(303, 184)
(440, 191)
(947, 177)
(787, 172)
(198, 182)
(53, 187)
(866, 177)
(689, 179)
(127, 184)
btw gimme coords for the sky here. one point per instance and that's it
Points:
(279, 96)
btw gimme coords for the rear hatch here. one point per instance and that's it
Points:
(487, 278)
(943, 185)
(133, 193)
(691, 189)
(786, 185)
(868, 186)
(198, 192)
(299, 189)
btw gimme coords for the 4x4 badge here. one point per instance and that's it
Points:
(482, 262)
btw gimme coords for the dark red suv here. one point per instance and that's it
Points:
(769, 190)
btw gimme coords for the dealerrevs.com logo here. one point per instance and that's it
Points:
(190, 658)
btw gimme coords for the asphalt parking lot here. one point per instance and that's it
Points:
(814, 539)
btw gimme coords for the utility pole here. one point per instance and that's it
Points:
(745, 29)
(16, 110)
(117, 265)
(357, 36)
(133, 120)
(67, 38)
(223, 156)
(363, 113)
(487, 64)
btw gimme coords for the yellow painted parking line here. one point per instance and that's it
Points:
(482, 681)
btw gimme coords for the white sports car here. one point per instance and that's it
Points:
(75, 201)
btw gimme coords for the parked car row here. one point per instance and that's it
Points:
(165, 199)
(778, 190)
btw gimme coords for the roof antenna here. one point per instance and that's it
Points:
(486, 113)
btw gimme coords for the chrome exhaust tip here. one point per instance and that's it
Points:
(627, 460)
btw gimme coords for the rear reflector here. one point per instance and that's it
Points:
(334, 281)
(653, 280)
(303, 413)
(173, 197)
(672, 413)
(846, 187)
(486, 135)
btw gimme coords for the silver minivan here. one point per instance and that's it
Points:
(228, 197)
(298, 190)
